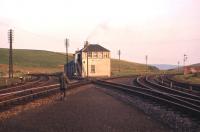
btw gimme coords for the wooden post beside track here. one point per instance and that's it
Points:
(171, 85)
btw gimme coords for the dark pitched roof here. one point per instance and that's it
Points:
(94, 48)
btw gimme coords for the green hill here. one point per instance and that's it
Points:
(46, 61)
(33, 58)
(129, 68)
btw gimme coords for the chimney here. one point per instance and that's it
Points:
(86, 44)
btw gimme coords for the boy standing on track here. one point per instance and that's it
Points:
(63, 85)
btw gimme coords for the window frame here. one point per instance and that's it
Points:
(89, 54)
(95, 54)
(92, 70)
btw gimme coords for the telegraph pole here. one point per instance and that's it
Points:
(119, 53)
(86, 46)
(146, 58)
(10, 39)
(87, 63)
(178, 66)
(184, 60)
(67, 45)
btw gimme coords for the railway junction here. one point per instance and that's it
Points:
(132, 103)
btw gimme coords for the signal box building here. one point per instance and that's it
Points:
(92, 61)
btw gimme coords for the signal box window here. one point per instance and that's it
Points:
(89, 54)
(92, 68)
(95, 55)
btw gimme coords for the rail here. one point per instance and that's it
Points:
(159, 97)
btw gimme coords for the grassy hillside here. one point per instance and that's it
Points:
(189, 78)
(198, 64)
(33, 58)
(128, 68)
(46, 61)
(181, 68)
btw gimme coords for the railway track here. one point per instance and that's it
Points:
(163, 81)
(181, 85)
(43, 86)
(40, 85)
(32, 80)
(150, 84)
(162, 98)
(185, 103)
(188, 98)
(40, 80)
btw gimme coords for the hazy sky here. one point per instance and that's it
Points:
(162, 29)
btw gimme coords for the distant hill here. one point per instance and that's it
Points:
(45, 61)
(192, 65)
(165, 66)
(197, 64)
(181, 67)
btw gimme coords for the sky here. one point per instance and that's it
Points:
(164, 30)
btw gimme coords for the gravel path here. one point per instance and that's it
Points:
(90, 110)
